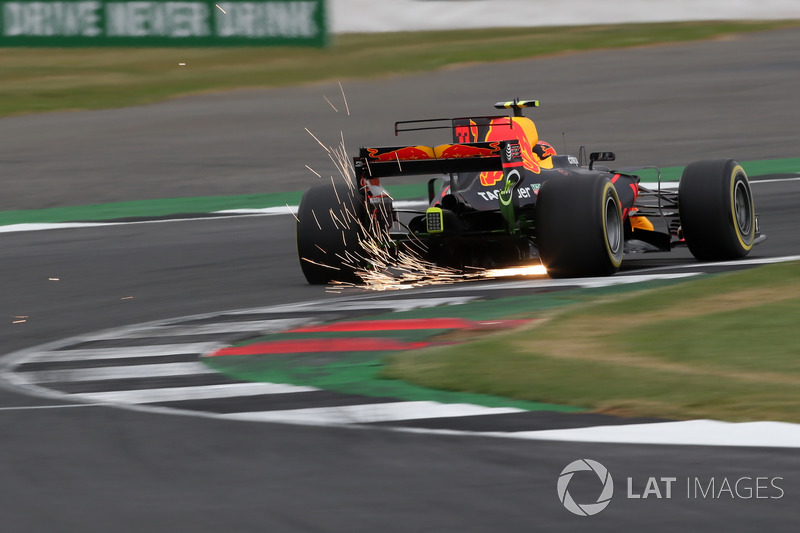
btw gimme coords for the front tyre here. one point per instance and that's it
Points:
(330, 227)
(716, 208)
(579, 227)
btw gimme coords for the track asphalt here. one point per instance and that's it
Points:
(97, 469)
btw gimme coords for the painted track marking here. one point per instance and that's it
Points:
(127, 377)
(119, 372)
(202, 392)
(370, 413)
(156, 350)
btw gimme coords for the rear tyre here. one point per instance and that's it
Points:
(579, 227)
(716, 210)
(329, 229)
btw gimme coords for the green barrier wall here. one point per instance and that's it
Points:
(163, 23)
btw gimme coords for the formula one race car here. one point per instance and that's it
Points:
(501, 197)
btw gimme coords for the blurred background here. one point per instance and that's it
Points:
(334, 67)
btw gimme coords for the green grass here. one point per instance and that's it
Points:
(745, 344)
(43, 79)
(725, 347)
(353, 373)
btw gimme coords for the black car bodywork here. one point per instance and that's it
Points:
(501, 197)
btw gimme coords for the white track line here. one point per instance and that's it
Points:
(779, 180)
(543, 282)
(204, 392)
(35, 407)
(117, 372)
(41, 226)
(257, 326)
(95, 354)
(737, 262)
(363, 414)
(689, 432)
(370, 302)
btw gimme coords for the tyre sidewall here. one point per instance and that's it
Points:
(707, 200)
(572, 228)
(329, 239)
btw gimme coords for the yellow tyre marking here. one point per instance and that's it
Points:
(746, 246)
(614, 260)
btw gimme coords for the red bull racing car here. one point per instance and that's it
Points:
(499, 196)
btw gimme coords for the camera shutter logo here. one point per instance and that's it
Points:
(585, 509)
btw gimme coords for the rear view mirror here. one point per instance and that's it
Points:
(600, 156)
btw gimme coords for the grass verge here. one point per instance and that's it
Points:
(725, 347)
(359, 372)
(48, 79)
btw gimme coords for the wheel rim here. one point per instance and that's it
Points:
(743, 209)
(613, 226)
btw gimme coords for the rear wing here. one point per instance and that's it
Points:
(389, 161)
